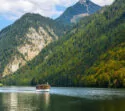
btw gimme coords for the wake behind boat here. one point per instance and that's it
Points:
(43, 88)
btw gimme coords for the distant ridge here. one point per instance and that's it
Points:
(79, 10)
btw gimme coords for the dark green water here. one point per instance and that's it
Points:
(62, 99)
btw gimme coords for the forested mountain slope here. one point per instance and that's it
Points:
(23, 40)
(91, 54)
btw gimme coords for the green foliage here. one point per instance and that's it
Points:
(91, 54)
(109, 70)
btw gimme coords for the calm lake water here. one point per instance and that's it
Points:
(61, 99)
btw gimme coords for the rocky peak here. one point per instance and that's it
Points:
(79, 10)
(83, 1)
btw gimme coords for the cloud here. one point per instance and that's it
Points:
(103, 2)
(13, 9)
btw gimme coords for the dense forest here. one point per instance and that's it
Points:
(91, 54)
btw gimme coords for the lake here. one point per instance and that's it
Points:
(62, 99)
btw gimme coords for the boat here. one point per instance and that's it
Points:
(43, 87)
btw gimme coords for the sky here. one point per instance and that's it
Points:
(11, 10)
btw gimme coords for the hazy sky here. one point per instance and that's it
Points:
(10, 10)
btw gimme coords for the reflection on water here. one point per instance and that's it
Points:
(43, 100)
(62, 99)
(13, 102)
(46, 99)
(10, 101)
(24, 102)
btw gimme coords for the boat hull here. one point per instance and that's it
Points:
(42, 90)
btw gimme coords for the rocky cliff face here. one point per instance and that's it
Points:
(14, 64)
(34, 42)
(24, 42)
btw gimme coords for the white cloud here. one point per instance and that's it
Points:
(13, 9)
(103, 2)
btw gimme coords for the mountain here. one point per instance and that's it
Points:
(81, 9)
(23, 40)
(91, 54)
